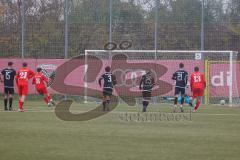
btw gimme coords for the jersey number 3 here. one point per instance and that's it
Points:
(109, 78)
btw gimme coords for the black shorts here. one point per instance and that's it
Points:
(146, 95)
(107, 92)
(179, 91)
(8, 90)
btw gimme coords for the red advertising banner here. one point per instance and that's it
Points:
(219, 78)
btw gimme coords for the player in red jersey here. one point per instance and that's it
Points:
(198, 84)
(23, 75)
(40, 82)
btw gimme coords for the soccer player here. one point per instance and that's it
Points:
(181, 78)
(8, 79)
(23, 75)
(109, 82)
(198, 84)
(40, 82)
(146, 84)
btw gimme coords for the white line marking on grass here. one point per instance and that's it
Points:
(122, 112)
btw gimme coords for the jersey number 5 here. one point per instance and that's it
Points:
(7, 75)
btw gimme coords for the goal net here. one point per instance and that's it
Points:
(219, 67)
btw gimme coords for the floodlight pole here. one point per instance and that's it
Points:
(66, 30)
(66, 35)
(110, 21)
(156, 27)
(202, 27)
(23, 29)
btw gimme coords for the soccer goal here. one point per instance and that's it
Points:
(220, 69)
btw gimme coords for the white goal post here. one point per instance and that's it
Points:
(212, 62)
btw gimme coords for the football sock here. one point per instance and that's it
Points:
(194, 102)
(175, 100)
(104, 105)
(145, 104)
(49, 98)
(10, 103)
(5, 103)
(46, 100)
(182, 100)
(197, 105)
(20, 104)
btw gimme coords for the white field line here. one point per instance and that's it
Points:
(122, 112)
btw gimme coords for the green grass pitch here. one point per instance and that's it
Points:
(37, 134)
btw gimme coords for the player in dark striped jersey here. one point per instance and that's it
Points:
(181, 78)
(146, 84)
(8, 79)
(109, 82)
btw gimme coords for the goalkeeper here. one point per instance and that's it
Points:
(40, 82)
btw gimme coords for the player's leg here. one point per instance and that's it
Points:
(182, 91)
(5, 99)
(108, 98)
(23, 93)
(21, 102)
(146, 98)
(104, 103)
(199, 99)
(195, 95)
(42, 91)
(50, 99)
(10, 98)
(107, 102)
(176, 94)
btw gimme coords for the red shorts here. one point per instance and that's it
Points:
(42, 90)
(22, 90)
(198, 92)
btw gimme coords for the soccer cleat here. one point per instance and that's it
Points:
(10, 108)
(5, 109)
(53, 103)
(194, 110)
(20, 110)
(49, 105)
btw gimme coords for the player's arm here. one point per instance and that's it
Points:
(1, 73)
(34, 80)
(45, 79)
(186, 79)
(140, 85)
(30, 74)
(191, 82)
(174, 76)
(17, 77)
(114, 80)
(100, 81)
(204, 82)
(153, 82)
